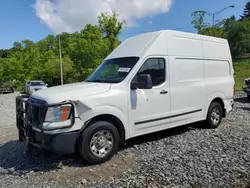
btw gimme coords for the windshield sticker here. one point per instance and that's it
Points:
(124, 69)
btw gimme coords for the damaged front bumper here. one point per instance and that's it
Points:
(30, 117)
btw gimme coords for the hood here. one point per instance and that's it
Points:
(74, 91)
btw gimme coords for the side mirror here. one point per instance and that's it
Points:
(144, 82)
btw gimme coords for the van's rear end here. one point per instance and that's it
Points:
(219, 71)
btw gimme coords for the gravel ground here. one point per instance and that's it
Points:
(188, 156)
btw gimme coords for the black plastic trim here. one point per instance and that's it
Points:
(62, 143)
(168, 117)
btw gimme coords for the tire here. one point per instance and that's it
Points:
(248, 97)
(86, 139)
(212, 120)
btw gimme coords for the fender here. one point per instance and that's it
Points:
(107, 110)
(214, 95)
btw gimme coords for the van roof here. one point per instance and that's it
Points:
(139, 45)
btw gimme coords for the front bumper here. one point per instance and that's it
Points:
(30, 118)
(7, 90)
(63, 143)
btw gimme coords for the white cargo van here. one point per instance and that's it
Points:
(149, 83)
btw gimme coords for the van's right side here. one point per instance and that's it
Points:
(201, 78)
(219, 77)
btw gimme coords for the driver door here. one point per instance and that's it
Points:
(149, 109)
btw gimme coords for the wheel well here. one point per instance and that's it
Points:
(220, 101)
(111, 119)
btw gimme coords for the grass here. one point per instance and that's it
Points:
(242, 71)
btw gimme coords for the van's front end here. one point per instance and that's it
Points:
(58, 119)
(39, 124)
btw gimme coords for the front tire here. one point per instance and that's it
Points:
(214, 115)
(99, 142)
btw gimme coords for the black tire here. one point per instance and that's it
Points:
(214, 108)
(85, 140)
(248, 96)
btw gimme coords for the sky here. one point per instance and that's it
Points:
(35, 19)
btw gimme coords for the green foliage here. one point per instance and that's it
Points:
(237, 32)
(241, 72)
(198, 20)
(238, 35)
(246, 13)
(214, 31)
(82, 52)
(111, 27)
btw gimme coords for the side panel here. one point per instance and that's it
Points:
(219, 72)
(187, 81)
(188, 89)
(214, 48)
(219, 81)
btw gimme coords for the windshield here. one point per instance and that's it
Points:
(37, 84)
(113, 70)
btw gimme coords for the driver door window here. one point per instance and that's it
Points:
(155, 67)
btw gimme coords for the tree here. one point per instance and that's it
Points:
(5, 53)
(111, 27)
(89, 50)
(246, 13)
(237, 32)
(238, 35)
(82, 52)
(213, 31)
(198, 20)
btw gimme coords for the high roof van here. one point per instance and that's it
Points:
(150, 82)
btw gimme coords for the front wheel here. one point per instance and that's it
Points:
(214, 115)
(99, 142)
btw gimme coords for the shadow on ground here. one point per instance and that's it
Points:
(245, 108)
(242, 100)
(14, 156)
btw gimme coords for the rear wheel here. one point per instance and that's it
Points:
(99, 142)
(214, 115)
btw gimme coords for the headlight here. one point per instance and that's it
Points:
(58, 113)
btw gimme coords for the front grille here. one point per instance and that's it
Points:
(35, 111)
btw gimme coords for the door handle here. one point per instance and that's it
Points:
(163, 92)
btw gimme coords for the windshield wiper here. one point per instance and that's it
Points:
(100, 81)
